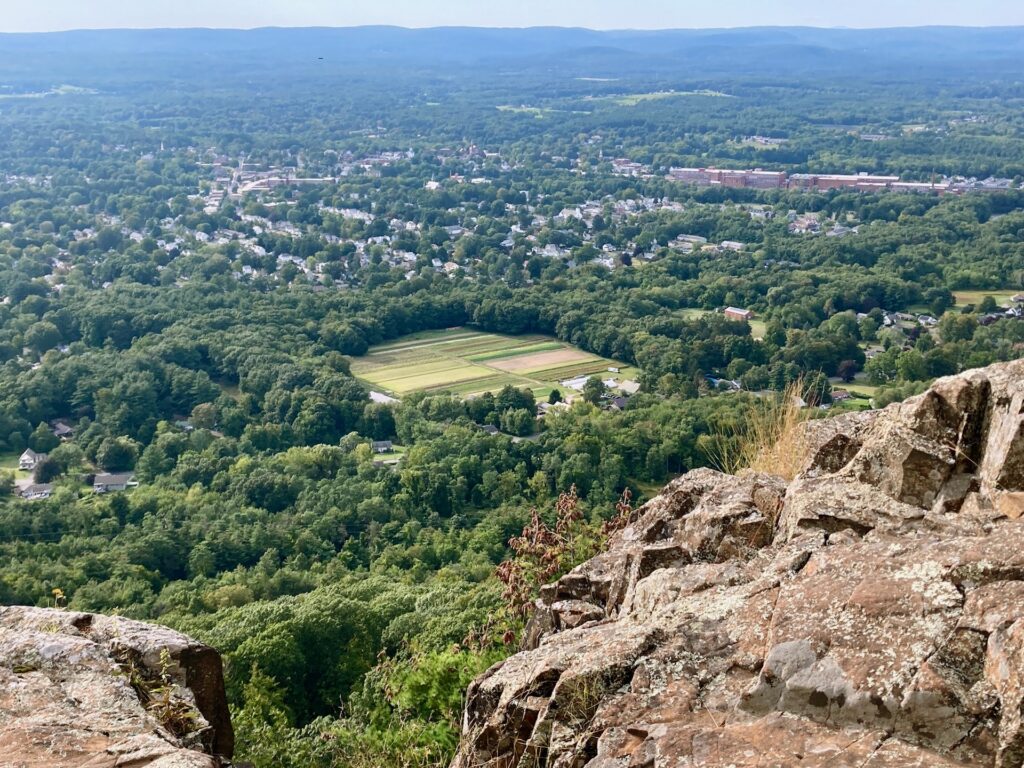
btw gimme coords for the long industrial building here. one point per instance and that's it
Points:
(759, 179)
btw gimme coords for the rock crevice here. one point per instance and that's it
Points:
(869, 613)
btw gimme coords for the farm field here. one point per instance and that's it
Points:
(467, 363)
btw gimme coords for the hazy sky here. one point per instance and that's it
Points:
(39, 15)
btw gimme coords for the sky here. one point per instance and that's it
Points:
(48, 15)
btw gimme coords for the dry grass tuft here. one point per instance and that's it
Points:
(771, 439)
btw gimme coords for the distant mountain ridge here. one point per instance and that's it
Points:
(988, 52)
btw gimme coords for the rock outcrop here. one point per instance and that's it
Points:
(98, 692)
(869, 613)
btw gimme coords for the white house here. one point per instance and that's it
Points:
(29, 460)
(110, 483)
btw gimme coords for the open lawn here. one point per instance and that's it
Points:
(757, 327)
(1002, 297)
(468, 363)
(537, 112)
(859, 389)
(634, 99)
(9, 463)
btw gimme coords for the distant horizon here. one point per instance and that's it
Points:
(597, 15)
(200, 28)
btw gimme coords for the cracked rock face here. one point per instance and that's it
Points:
(98, 692)
(870, 613)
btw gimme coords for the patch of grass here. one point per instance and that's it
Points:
(537, 112)
(856, 404)
(9, 463)
(635, 99)
(521, 351)
(772, 438)
(480, 386)
(433, 379)
(1002, 297)
(860, 389)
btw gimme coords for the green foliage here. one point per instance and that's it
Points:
(117, 454)
(42, 439)
(594, 390)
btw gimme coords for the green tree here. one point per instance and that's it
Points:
(42, 439)
(847, 370)
(42, 336)
(594, 390)
(118, 454)
(47, 471)
(988, 304)
(517, 421)
(911, 366)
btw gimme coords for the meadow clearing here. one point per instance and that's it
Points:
(467, 362)
(1002, 297)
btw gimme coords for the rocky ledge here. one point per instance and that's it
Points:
(98, 692)
(869, 613)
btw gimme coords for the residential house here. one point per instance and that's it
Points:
(113, 482)
(37, 492)
(733, 313)
(805, 225)
(382, 446)
(29, 460)
(63, 430)
(490, 429)
(724, 384)
(543, 409)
